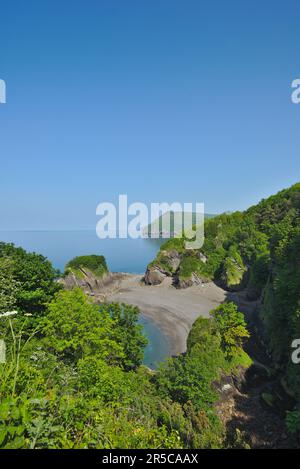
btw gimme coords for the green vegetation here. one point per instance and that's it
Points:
(259, 250)
(234, 244)
(230, 324)
(191, 264)
(213, 349)
(73, 377)
(172, 222)
(233, 268)
(165, 257)
(93, 263)
(27, 280)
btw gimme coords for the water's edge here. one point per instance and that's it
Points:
(158, 348)
(122, 255)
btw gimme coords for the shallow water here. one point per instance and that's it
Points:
(122, 255)
(157, 349)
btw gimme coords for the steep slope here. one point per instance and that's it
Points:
(257, 251)
(237, 248)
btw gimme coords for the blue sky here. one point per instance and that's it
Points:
(161, 100)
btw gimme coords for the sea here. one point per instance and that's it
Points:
(122, 255)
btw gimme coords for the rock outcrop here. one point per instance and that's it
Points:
(154, 276)
(165, 266)
(169, 263)
(96, 287)
(194, 279)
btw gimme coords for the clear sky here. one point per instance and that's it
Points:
(163, 100)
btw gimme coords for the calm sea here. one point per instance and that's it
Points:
(122, 255)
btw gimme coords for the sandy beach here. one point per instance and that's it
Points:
(172, 310)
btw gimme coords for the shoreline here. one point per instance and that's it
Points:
(172, 310)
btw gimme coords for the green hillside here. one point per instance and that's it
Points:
(258, 251)
(73, 377)
(171, 223)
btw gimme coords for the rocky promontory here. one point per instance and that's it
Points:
(90, 273)
(184, 267)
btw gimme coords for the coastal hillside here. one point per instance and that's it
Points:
(71, 373)
(237, 248)
(257, 252)
(71, 370)
(171, 224)
(91, 274)
(92, 263)
(88, 272)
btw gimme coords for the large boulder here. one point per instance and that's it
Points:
(191, 270)
(165, 265)
(194, 279)
(87, 281)
(154, 276)
(169, 260)
(92, 285)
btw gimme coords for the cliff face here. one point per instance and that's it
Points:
(237, 248)
(166, 266)
(96, 287)
(256, 251)
(171, 263)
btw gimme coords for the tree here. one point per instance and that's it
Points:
(74, 327)
(128, 333)
(199, 332)
(189, 377)
(9, 287)
(35, 278)
(231, 326)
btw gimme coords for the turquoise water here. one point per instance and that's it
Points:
(157, 349)
(122, 255)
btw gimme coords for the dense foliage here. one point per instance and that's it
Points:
(257, 250)
(73, 376)
(27, 280)
(75, 379)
